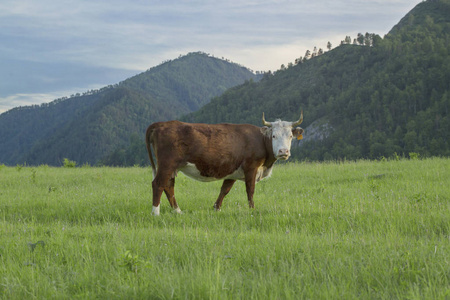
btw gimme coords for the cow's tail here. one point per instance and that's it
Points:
(148, 142)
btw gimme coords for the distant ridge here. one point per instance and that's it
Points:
(87, 127)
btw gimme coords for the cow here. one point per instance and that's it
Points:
(205, 152)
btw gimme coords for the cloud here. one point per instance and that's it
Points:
(17, 100)
(48, 44)
(23, 77)
(112, 33)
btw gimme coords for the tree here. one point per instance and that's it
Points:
(307, 55)
(368, 39)
(329, 46)
(360, 39)
(376, 40)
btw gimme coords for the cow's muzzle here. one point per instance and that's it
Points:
(283, 154)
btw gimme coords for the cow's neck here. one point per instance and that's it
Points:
(270, 157)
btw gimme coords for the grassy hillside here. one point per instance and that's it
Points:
(389, 96)
(87, 127)
(364, 230)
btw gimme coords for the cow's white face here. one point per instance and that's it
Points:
(281, 134)
(281, 139)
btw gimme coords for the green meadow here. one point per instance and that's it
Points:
(348, 230)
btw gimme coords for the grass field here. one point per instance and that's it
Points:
(352, 230)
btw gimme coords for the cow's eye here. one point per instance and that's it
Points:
(273, 136)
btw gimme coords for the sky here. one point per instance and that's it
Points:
(51, 49)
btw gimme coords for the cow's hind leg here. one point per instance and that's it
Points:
(157, 192)
(170, 193)
(226, 187)
(159, 184)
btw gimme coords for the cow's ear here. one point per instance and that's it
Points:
(297, 132)
(265, 130)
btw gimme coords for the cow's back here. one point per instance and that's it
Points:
(216, 150)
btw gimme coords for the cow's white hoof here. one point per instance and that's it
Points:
(177, 211)
(155, 210)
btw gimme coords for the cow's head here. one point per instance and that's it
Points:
(281, 133)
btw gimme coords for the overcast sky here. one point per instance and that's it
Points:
(50, 49)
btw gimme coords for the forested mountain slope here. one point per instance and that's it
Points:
(21, 128)
(383, 97)
(87, 127)
(376, 97)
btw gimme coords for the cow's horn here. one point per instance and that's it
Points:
(265, 123)
(299, 120)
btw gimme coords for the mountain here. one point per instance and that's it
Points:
(378, 97)
(87, 127)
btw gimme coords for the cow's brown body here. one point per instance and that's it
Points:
(205, 152)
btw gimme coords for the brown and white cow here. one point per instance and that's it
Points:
(227, 152)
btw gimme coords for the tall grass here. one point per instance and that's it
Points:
(353, 230)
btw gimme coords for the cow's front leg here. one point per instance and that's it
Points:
(250, 187)
(226, 187)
